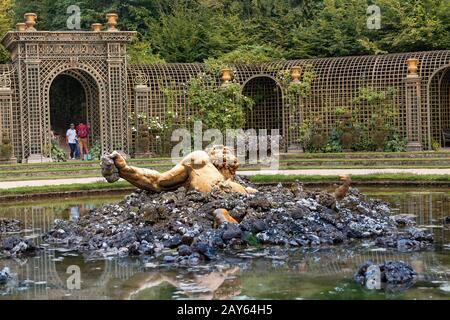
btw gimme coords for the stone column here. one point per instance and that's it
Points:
(413, 106)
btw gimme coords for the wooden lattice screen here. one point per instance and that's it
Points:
(96, 59)
(115, 89)
(336, 84)
(267, 111)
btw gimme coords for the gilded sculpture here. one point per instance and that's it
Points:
(203, 171)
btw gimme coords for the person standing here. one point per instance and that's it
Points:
(71, 140)
(82, 134)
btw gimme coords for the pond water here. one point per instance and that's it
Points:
(301, 274)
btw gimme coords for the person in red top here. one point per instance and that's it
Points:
(82, 134)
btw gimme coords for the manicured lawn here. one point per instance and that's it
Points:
(95, 172)
(64, 188)
(265, 178)
(261, 178)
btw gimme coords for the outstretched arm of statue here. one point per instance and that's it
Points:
(173, 178)
(115, 166)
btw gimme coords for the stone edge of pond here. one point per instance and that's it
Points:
(63, 194)
(76, 193)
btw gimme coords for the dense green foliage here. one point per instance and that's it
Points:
(349, 133)
(223, 33)
(218, 107)
(5, 25)
(57, 154)
(96, 151)
(195, 30)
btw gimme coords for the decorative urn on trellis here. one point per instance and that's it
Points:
(96, 27)
(30, 21)
(226, 74)
(21, 26)
(112, 21)
(412, 66)
(296, 72)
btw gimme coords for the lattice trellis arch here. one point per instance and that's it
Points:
(92, 93)
(438, 103)
(96, 91)
(98, 60)
(268, 111)
(336, 84)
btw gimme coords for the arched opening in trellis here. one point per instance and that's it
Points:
(74, 98)
(267, 112)
(439, 106)
(67, 103)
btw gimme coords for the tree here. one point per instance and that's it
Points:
(414, 25)
(337, 30)
(195, 30)
(5, 26)
(340, 28)
(140, 52)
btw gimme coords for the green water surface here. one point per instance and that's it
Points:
(251, 274)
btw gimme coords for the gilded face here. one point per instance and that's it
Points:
(224, 160)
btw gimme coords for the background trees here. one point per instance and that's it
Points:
(194, 30)
(5, 25)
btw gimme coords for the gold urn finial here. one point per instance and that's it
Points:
(412, 66)
(21, 26)
(112, 21)
(226, 74)
(296, 72)
(30, 21)
(96, 27)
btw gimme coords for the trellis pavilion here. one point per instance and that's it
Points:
(114, 89)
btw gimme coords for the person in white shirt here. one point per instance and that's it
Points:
(71, 140)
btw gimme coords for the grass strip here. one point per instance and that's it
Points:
(268, 178)
(260, 178)
(249, 167)
(96, 172)
(64, 188)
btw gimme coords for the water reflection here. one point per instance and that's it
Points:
(308, 275)
(324, 274)
(428, 206)
(38, 216)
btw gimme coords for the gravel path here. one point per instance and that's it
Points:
(335, 172)
(323, 172)
(53, 182)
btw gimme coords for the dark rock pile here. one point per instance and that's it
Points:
(9, 225)
(391, 275)
(152, 223)
(15, 245)
(5, 275)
